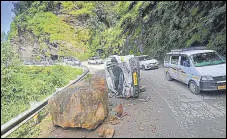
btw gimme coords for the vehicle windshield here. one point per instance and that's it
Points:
(142, 58)
(147, 58)
(205, 59)
(96, 57)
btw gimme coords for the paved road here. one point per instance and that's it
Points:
(170, 110)
(94, 68)
(201, 115)
(173, 111)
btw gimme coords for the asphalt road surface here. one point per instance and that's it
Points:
(165, 109)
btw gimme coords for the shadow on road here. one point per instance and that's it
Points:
(202, 93)
(213, 93)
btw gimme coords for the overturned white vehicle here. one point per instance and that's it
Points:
(123, 75)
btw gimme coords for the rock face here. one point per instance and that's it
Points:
(84, 104)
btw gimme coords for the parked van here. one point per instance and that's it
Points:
(199, 68)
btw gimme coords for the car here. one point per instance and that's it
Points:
(95, 60)
(108, 61)
(147, 63)
(71, 61)
(44, 62)
(29, 62)
(198, 67)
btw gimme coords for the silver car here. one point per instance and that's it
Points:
(147, 63)
(95, 60)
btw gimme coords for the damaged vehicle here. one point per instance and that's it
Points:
(122, 75)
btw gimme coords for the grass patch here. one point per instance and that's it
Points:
(31, 129)
(32, 84)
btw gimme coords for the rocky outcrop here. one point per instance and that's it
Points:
(84, 104)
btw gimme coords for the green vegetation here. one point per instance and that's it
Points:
(51, 31)
(155, 28)
(33, 127)
(47, 26)
(32, 84)
(132, 27)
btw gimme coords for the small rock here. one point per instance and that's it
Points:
(106, 131)
(141, 128)
(111, 118)
(130, 104)
(147, 99)
(141, 99)
(115, 122)
(142, 89)
(124, 114)
(109, 133)
(119, 110)
(154, 129)
(100, 132)
(110, 95)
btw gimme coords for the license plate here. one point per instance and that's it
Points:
(221, 87)
(135, 78)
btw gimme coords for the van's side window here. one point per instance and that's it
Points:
(174, 60)
(184, 61)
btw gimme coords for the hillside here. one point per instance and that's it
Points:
(44, 29)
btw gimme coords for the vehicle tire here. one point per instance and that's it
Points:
(168, 77)
(143, 67)
(194, 88)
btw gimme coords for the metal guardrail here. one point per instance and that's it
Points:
(22, 118)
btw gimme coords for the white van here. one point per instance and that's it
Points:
(199, 68)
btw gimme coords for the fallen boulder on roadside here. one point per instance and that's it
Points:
(84, 104)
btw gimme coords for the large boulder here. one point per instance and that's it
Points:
(84, 104)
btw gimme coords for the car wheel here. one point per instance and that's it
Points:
(194, 88)
(143, 67)
(168, 77)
